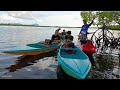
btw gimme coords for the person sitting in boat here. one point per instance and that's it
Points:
(84, 31)
(63, 33)
(68, 42)
(58, 29)
(56, 37)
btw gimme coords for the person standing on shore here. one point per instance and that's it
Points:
(84, 31)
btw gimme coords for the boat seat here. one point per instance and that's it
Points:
(70, 51)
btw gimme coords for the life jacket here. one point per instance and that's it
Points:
(89, 47)
(46, 43)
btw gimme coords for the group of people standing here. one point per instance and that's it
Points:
(68, 38)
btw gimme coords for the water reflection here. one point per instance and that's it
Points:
(107, 67)
(61, 74)
(24, 61)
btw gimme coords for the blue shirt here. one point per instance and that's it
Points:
(84, 28)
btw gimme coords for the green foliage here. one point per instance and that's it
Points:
(87, 15)
(114, 27)
(106, 17)
(116, 17)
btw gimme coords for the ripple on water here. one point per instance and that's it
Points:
(42, 69)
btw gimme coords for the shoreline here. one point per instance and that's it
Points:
(49, 26)
(38, 26)
(42, 26)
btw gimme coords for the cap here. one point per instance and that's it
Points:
(69, 32)
(58, 29)
(85, 20)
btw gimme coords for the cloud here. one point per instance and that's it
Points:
(66, 20)
(36, 16)
(6, 18)
(21, 14)
(53, 18)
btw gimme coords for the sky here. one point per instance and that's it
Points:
(50, 18)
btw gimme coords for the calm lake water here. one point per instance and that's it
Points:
(44, 66)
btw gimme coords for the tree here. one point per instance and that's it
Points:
(116, 16)
(107, 17)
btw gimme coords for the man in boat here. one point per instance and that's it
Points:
(56, 37)
(63, 33)
(58, 29)
(84, 31)
(68, 39)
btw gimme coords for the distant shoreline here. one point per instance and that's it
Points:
(41, 26)
(111, 28)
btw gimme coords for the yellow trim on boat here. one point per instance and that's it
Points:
(29, 53)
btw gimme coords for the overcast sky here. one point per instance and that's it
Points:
(54, 18)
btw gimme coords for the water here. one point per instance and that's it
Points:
(44, 66)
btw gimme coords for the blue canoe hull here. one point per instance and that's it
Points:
(76, 64)
(31, 49)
